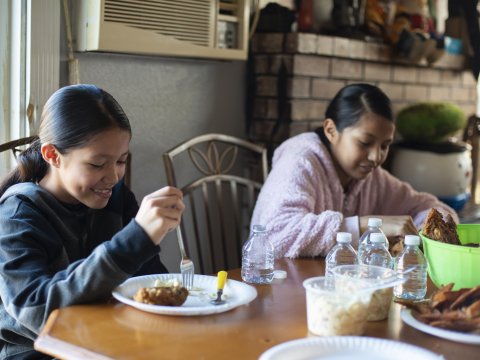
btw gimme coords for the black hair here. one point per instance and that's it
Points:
(355, 100)
(72, 116)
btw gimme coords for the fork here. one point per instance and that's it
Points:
(187, 268)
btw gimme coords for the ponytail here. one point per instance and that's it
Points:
(31, 167)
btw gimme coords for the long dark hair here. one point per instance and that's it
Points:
(71, 117)
(355, 100)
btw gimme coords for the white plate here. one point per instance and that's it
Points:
(347, 347)
(407, 316)
(235, 293)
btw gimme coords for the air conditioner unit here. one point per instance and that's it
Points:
(188, 28)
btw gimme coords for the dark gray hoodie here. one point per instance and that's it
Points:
(54, 254)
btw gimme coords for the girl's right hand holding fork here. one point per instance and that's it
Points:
(160, 212)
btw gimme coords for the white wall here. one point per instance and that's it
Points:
(168, 100)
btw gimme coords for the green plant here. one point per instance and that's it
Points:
(430, 122)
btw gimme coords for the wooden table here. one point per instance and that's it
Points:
(278, 314)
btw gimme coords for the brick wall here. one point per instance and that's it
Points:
(308, 70)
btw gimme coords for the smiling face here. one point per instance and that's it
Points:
(87, 174)
(360, 148)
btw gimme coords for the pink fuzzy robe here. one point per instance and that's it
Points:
(303, 205)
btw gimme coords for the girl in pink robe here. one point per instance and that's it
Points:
(330, 180)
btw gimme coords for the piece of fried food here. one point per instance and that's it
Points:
(395, 245)
(444, 297)
(466, 297)
(457, 310)
(165, 295)
(441, 230)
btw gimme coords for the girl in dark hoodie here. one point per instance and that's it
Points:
(70, 230)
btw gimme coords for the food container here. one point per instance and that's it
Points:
(331, 311)
(378, 279)
(456, 264)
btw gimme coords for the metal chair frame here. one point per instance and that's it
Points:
(219, 201)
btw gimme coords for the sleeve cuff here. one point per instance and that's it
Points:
(131, 247)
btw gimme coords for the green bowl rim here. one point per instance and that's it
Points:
(450, 247)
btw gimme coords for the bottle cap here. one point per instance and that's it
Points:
(377, 237)
(279, 274)
(412, 240)
(259, 228)
(377, 222)
(344, 237)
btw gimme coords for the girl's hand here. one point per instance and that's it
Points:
(160, 212)
(392, 225)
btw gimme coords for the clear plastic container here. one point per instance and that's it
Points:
(411, 256)
(258, 260)
(379, 280)
(333, 311)
(374, 226)
(342, 253)
(376, 254)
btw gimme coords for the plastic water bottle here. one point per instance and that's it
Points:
(415, 287)
(342, 253)
(374, 226)
(258, 257)
(376, 253)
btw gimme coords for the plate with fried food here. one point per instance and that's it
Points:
(164, 294)
(449, 314)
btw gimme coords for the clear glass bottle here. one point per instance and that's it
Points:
(258, 258)
(342, 253)
(376, 253)
(411, 256)
(374, 226)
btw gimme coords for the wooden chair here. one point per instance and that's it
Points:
(16, 146)
(220, 177)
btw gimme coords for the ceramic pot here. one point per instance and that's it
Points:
(444, 170)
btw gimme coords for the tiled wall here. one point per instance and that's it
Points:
(317, 66)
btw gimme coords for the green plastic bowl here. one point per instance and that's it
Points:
(456, 264)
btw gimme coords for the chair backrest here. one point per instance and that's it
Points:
(16, 146)
(220, 177)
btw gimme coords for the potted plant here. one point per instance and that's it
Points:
(429, 156)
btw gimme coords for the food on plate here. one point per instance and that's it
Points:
(174, 295)
(441, 230)
(457, 310)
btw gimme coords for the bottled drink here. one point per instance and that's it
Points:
(415, 287)
(341, 254)
(258, 257)
(374, 226)
(376, 253)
